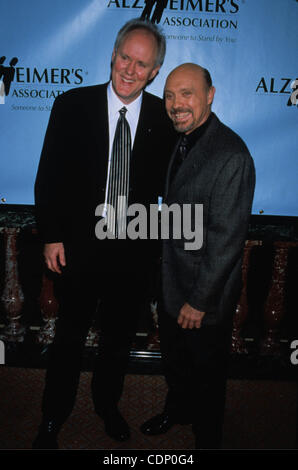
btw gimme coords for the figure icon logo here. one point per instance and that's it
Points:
(6, 77)
(160, 5)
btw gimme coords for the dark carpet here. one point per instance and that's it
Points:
(260, 414)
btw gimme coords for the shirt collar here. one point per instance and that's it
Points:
(115, 104)
(197, 133)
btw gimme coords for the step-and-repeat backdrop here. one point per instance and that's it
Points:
(249, 46)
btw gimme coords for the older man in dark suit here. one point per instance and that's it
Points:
(103, 143)
(210, 166)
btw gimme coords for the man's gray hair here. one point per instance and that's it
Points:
(138, 23)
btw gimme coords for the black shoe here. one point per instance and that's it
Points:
(115, 425)
(159, 424)
(47, 435)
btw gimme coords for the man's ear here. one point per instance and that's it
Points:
(113, 55)
(154, 72)
(211, 93)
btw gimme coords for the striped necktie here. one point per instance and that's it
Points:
(119, 178)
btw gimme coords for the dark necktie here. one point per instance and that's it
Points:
(180, 156)
(119, 177)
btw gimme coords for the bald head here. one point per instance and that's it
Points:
(188, 96)
(194, 69)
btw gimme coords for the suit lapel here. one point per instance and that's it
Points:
(144, 126)
(99, 132)
(142, 137)
(170, 168)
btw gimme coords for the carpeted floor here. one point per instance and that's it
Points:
(259, 414)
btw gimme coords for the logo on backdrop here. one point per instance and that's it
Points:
(156, 15)
(32, 82)
(279, 86)
(196, 13)
(7, 74)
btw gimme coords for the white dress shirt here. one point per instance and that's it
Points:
(132, 116)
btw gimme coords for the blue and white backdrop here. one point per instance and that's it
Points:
(249, 46)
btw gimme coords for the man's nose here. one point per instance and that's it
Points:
(130, 69)
(176, 103)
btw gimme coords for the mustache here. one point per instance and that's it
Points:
(180, 110)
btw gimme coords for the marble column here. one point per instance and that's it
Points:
(274, 310)
(12, 296)
(49, 309)
(241, 314)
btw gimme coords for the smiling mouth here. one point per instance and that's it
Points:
(181, 116)
(127, 81)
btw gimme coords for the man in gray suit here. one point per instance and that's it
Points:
(200, 288)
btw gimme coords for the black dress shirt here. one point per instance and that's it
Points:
(187, 141)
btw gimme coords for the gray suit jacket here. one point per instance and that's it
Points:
(218, 173)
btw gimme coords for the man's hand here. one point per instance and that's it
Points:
(190, 317)
(54, 256)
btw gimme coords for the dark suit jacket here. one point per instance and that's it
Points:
(218, 173)
(72, 172)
